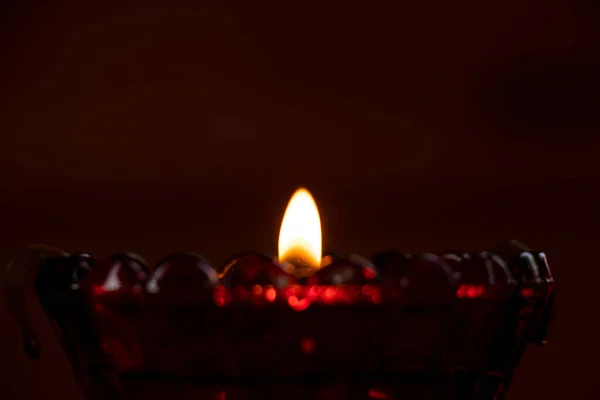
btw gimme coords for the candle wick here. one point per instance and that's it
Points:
(302, 268)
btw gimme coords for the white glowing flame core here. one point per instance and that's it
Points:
(300, 232)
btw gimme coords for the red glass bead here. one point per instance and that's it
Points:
(544, 267)
(119, 273)
(392, 265)
(182, 278)
(478, 273)
(429, 280)
(351, 270)
(250, 269)
(475, 270)
(454, 257)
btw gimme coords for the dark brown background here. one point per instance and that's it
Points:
(417, 124)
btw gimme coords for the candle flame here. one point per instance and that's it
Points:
(300, 234)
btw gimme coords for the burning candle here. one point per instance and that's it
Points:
(300, 242)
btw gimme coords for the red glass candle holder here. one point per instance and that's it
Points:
(425, 326)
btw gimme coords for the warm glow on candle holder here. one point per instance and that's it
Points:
(300, 234)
